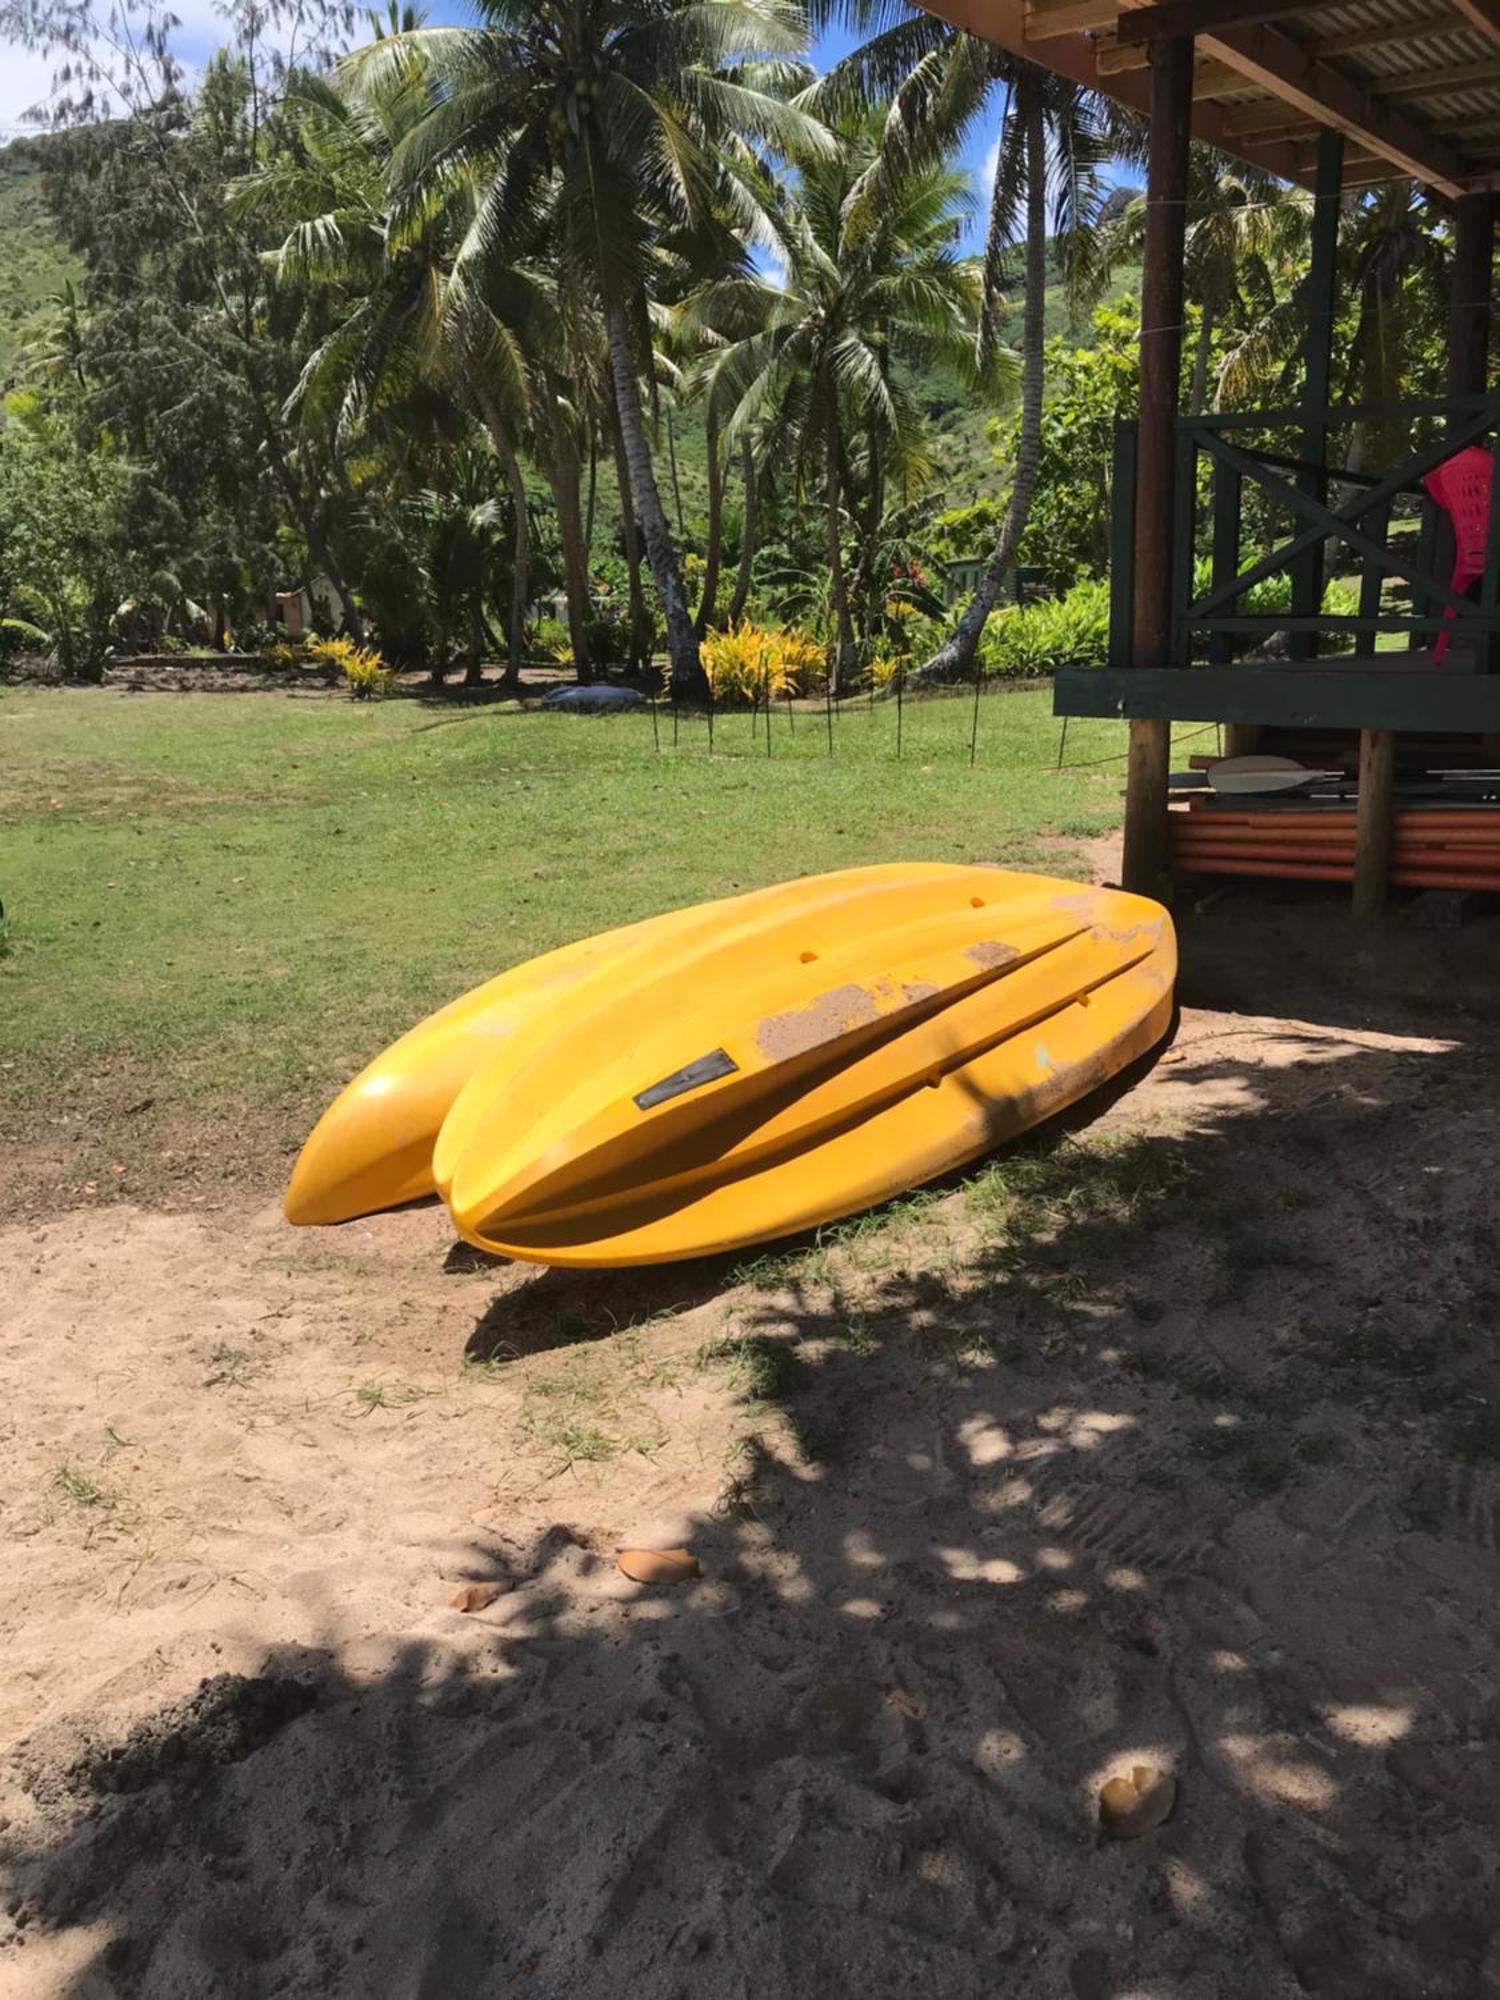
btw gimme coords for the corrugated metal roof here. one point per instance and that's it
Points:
(1415, 83)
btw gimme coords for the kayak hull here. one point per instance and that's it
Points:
(373, 1148)
(800, 1060)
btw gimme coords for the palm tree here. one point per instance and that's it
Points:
(815, 360)
(1054, 138)
(596, 125)
(1245, 230)
(1395, 266)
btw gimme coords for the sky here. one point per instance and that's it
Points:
(25, 80)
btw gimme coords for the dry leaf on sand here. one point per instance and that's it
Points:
(475, 1596)
(658, 1565)
(1129, 1807)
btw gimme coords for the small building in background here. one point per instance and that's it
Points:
(961, 580)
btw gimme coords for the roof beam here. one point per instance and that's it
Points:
(1483, 15)
(1069, 54)
(1291, 71)
(1210, 79)
(1454, 76)
(1046, 19)
(1392, 34)
(1267, 118)
(1200, 17)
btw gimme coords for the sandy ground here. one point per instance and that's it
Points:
(1196, 1461)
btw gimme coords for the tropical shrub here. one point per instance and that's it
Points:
(748, 662)
(19, 635)
(1021, 642)
(609, 641)
(366, 675)
(548, 639)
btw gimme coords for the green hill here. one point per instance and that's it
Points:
(34, 261)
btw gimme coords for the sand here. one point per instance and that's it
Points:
(1198, 1466)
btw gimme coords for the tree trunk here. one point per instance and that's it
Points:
(642, 625)
(844, 648)
(676, 482)
(562, 478)
(1198, 392)
(593, 489)
(688, 677)
(520, 575)
(747, 536)
(306, 516)
(955, 657)
(709, 603)
(520, 581)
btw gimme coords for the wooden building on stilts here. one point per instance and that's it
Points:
(1335, 95)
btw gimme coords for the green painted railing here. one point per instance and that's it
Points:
(1214, 626)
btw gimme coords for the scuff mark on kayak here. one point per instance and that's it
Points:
(803, 1028)
(989, 952)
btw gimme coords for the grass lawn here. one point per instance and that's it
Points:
(220, 906)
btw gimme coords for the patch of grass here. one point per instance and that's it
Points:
(385, 1396)
(1113, 1179)
(761, 1370)
(229, 1368)
(245, 898)
(81, 1489)
(584, 1413)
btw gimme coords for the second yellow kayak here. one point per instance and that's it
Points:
(798, 1057)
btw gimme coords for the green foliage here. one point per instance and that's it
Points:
(1093, 389)
(1022, 642)
(366, 675)
(548, 639)
(19, 635)
(65, 551)
(37, 264)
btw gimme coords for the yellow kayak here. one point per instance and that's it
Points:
(799, 1057)
(373, 1147)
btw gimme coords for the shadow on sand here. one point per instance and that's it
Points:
(1177, 1442)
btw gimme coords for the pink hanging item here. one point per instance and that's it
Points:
(1461, 487)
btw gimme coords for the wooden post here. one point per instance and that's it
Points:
(1471, 284)
(1317, 356)
(1375, 833)
(1156, 449)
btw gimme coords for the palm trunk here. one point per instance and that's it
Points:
(688, 677)
(709, 603)
(1198, 391)
(642, 626)
(588, 506)
(747, 537)
(306, 514)
(676, 482)
(562, 478)
(843, 651)
(520, 582)
(953, 659)
(520, 578)
(474, 670)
